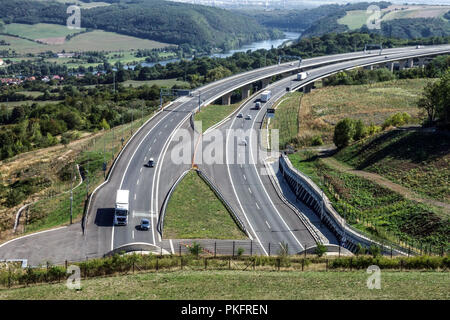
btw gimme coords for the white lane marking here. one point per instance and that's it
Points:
(235, 193)
(171, 120)
(165, 126)
(135, 196)
(137, 182)
(245, 178)
(257, 206)
(268, 226)
(171, 246)
(145, 159)
(264, 188)
(250, 190)
(154, 140)
(140, 170)
(159, 133)
(149, 149)
(132, 234)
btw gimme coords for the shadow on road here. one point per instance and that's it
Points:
(104, 217)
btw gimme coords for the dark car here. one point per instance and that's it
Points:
(145, 224)
(151, 163)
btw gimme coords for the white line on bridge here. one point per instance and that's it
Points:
(268, 226)
(245, 178)
(257, 206)
(137, 182)
(250, 190)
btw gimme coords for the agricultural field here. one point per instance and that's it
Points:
(355, 19)
(96, 40)
(372, 103)
(195, 212)
(43, 32)
(259, 285)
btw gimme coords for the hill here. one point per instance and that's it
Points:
(194, 26)
(400, 21)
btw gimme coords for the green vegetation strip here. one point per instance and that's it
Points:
(213, 114)
(195, 212)
(246, 285)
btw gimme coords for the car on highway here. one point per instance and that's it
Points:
(151, 163)
(240, 115)
(248, 117)
(145, 224)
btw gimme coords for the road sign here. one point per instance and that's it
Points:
(270, 113)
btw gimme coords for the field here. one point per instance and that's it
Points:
(212, 114)
(195, 212)
(372, 103)
(375, 209)
(40, 31)
(254, 285)
(96, 40)
(357, 18)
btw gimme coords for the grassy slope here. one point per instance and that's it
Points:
(195, 212)
(212, 114)
(374, 209)
(246, 285)
(416, 160)
(322, 109)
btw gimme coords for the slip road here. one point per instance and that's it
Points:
(230, 309)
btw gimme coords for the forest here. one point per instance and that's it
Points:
(196, 27)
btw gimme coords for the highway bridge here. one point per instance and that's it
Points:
(254, 196)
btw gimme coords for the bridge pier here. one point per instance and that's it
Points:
(390, 66)
(246, 90)
(402, 64)
(369, 67)
(226, 99)
(422, 62)
(265, 82)
(308, 87)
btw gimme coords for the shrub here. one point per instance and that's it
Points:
(195, 249)
(344, 132)
(320, 250)
(317, 141)
(240, 251)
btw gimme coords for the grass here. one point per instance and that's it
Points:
(96, 40)
(355, 19)
(195, 212)
(286, 118)
(414, 159)
(257, 285)
(212, 114)
(39, 30)
(373, 209)
(372, 103)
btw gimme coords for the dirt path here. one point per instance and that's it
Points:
(407, 193)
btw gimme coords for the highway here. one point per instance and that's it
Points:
(149, 186)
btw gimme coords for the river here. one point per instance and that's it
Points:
(265, 44)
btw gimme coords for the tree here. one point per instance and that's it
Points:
(320, 250)
(360, 130)
(344, 132)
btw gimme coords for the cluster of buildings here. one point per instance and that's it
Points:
(19, 80)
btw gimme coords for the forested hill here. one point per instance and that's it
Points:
(192, 25)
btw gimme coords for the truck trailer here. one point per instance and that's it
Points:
(302, 76)
(265, 96)
(122, 207)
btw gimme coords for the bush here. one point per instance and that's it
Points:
(240, 251)
(320, 250)
(344, 132)
(195, 249)
(396, 120)
(360, 130)
(317, 141)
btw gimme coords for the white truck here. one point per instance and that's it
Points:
(265, 96)
(302, 76)
(121, 209)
